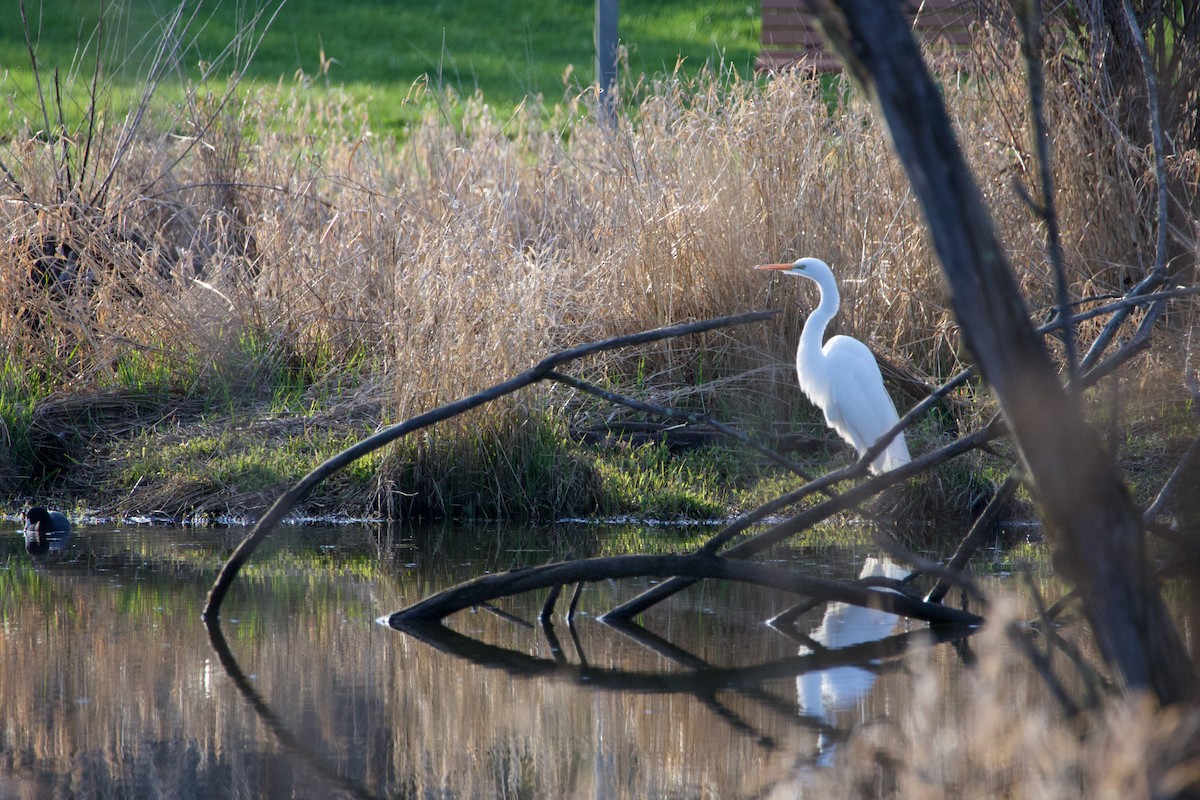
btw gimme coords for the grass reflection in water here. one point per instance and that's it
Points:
(113, 686)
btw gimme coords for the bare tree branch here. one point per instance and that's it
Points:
(1029, 15)
(1158, 275)
(805, 519)
(1172, 483)
(288, 500)
(696, 565)
(1154, 113)
(683, 416)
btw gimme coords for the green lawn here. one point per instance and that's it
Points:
(373, 48)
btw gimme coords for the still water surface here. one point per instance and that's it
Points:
(113, 687)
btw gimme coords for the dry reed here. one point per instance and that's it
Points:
(240, 246)
(1005, 738)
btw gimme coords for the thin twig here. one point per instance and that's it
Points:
(1127, 302)
(37, 71)
(1030, 19)
(93, 98)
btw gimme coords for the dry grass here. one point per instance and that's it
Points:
(271, 238)
(1008, 739)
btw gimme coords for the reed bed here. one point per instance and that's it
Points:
(263, 250)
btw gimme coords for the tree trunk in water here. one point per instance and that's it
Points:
(1096, 531)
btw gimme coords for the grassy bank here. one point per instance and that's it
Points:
(199, 310)
(373, 52)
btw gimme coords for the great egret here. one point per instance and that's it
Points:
(842, 378)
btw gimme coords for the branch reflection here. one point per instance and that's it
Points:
(288, 740)
(696, 676)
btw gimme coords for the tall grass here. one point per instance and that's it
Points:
(267, 233)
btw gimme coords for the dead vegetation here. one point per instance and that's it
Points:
(1004, 740)
(221, 255)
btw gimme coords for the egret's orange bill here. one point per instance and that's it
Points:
(775, 266)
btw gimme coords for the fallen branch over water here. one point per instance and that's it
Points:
(546, 370)
(543, 370)
(697, 565)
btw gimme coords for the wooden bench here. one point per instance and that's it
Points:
(790, 37)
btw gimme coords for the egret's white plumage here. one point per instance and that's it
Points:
(842, 377)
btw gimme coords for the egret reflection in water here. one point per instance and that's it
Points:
(823, 693)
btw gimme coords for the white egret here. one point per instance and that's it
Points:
(842, 378)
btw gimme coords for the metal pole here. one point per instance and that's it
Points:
(606, 52)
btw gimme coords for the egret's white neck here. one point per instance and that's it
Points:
(813, 334)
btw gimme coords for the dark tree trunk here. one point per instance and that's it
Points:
(1099, 544)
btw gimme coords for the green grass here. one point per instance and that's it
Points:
(375, 50)
(232, 464)
(653, 481)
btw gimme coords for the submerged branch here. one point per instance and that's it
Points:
(980, 531)
(697, 565)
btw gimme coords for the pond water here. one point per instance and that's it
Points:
(114, 687)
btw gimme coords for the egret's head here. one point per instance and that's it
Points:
(813, 268)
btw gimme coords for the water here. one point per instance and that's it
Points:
(113, 686)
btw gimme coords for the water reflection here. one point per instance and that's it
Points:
(112, 686)
(822, 693)
(40, 544)
(270, 719)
